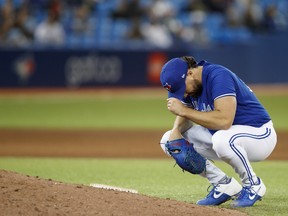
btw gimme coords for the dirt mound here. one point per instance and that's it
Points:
(26, 195)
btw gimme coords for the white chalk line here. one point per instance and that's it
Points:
(109, 187)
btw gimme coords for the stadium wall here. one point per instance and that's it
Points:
(264, 61)
(77, 68)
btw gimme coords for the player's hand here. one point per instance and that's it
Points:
(175, 106)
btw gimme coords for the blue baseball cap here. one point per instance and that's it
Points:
(173, 76)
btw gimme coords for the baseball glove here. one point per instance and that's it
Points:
(185, 156)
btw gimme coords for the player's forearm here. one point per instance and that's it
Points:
(182, 124)
(214, 120)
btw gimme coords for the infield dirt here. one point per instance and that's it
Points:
(97, 143)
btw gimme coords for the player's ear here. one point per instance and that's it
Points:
(189, 72)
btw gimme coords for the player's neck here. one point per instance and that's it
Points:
(198, 73)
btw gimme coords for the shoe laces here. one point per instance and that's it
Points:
(211, 190)
(245, 192)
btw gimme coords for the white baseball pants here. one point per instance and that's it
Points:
(237, 146)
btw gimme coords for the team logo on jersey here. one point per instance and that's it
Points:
(167, 86)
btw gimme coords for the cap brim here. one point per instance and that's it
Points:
(178, 94)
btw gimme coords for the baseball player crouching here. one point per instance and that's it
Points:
(218, 117)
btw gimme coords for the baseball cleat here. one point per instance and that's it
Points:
(221, 193)
(249, 195)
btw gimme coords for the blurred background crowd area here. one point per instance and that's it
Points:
(137, 23)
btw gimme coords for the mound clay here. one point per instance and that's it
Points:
(26, 195)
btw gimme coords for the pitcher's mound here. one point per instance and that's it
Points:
(26, 195)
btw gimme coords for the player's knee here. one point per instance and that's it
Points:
(220, 144)
(164, 140)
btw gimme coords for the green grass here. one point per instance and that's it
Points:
(276, 107)
(92, 111)
(154, 177)
(87, 112)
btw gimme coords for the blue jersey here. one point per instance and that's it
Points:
(218, 82)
